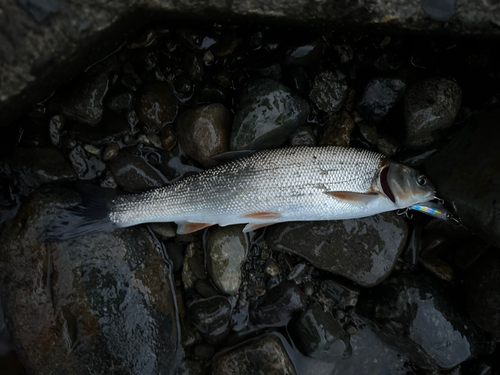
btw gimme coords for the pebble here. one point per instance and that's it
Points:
(363, 250)
(226, 250)
(120, 101)
(196, 39)
(211, 316)
(387, 144)
(340, 292)
(415, 315)
(56, 124)
(92, 150)
(163, 229)
(337, 130)
(174, 253)
(226, 44)
(86, 167)
(329, 91)
(204, 132)
(265, 354)
(168, 137)
(188, 277)
(156, 106)
(272, 268)
(205, 288)
(305, 54)
(198, 268)
(193, 69)
(303, 136)
(267, 114)
(154, 140)
(430, 107)
(110, 151)
(143, 39)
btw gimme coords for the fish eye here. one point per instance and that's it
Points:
(422, 180)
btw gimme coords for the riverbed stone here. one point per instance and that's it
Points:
(204, 132)
(363, 250)
(226, 249)
(156, 106)
(89, 304)
(268, 112)
(266, 354)
(329, 91)
(430, 107)
(416, 315)
(465, 173)
(211, 316)
(32, 167)
(379, 97)
(337, 130)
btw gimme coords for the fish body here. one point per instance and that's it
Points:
(270, 186)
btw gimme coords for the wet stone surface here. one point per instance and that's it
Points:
(329, 91)
(266, 352)
(416, 315)
(211, 317)
(88, 304)
(362, 250)
(156, 106)
(267, 113)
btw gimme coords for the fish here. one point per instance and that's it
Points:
(433, 209)
(265, 188)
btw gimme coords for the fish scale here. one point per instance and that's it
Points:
(290, 182)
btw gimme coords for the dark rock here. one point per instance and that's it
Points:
(114, 125)
(226, 44)
(81, 101)
(262, 64)
(380, 96)
(296, 78)
(482, 290)
(337, 130)
(465, 173)
(319, 335)
(306, 54)
(89, 304)
(175, 255)
(203, 132)
(41, 9)
(440, 10)
(198, 268)
(156, 106)
(120, 101)
(362, 250)
(387, 144)
(304, 136)
(207, 92)
(168, 137)
(87, 167)
(265, 354)
(344, 52)
(183, 88)
(110, 151)
(211, 316)
(224, 79)
(329, 91)
(32, 167)
(143, 39)
(165, 230)
(193, 67)
(267, 113)
(415, 315)
(196, 39)
(56, 124)
(226, 250)
(279, 304)
(205, 288)
(341, 293)
(134, 174)
(430, 106)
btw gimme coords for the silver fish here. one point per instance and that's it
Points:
(268, 187)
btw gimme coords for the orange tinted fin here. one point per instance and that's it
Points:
(358, 198)
(263, 215)
(185, 227)
(250, 227)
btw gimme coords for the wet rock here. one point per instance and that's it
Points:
(337, 130)
(156, 106)
(265, 354)
(329, 91)
(226, 44)
(362, 250)
(305, 54)
(196, 39)
(379, 97)
(295, 77)
(304, 136)
(226, 249)
(183, 88)
(267, 113)
(387, 144)
(263, 64)
(465, 173)
(206, 289)
(142, 40)
(192, 67)
(90, 304)
(439, 10)
(208, 92)
(114, 125)
(279, 304)
(341, 293)
(168, 137)
(415, 314)
(272, 268)
(81, 101)
(482, 289)
(175, 255)
(163, 229)
(87, 167)
(56, 124)
(188, 277)
(211, 316)
(32, 167)
(203, 132)
(198, 268)
(430, 106)
(134, 174)
(110, 151)
(120, 101)
(319, 335)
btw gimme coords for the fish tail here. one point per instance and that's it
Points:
(92, 215)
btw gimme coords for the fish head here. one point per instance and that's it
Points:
(405, 186)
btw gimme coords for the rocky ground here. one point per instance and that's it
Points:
(384, 294)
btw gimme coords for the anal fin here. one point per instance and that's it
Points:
(185, 227)
(351, 197)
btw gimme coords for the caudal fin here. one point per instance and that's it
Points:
(90, 216)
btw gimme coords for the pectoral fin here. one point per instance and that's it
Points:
(185, 227)
(356, 198)
(249, 227)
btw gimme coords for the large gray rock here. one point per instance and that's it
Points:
(37, 56)
(362, 250)
(466, 174)
(88, 305)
